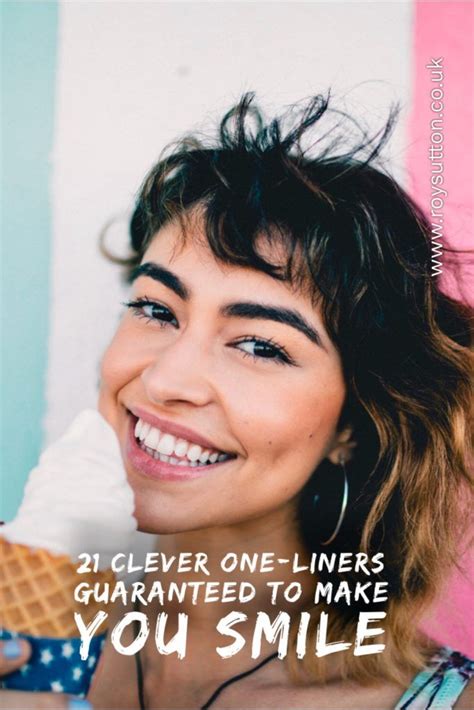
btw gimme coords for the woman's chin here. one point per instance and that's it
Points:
(151, 525)
(155, 524)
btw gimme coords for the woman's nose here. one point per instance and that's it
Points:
(179, 373)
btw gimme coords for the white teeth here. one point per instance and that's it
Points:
(204, 456)
(194, 452)
(201, 460)
(144, 431)
(166, 445)
(152, 438)
(181, 447)
(171, 449)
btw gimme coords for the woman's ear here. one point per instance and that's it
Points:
(342, 446)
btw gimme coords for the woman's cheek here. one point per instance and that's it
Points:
(112, 378)
(106, 404)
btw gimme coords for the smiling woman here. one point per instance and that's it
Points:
(206, 358)
(284, 335)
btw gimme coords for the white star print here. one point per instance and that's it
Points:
(91, 661)
(76, 673)
(56, 686)
(46, 656)
(24, 669)
(68, 649)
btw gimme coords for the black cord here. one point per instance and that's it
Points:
(138, 664)
(138, 661)
(214, 695)
(234, 678)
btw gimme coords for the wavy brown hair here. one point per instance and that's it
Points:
(363, 247)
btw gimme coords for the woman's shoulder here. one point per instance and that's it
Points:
(466, 700)
(441, 684)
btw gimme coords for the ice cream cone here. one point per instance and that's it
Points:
(37, 592)
(77, 500)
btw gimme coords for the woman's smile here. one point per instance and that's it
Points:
(222, 385)
(165, 454)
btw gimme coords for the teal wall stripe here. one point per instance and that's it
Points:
(29, 43)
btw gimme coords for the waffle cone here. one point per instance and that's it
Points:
(37, 592)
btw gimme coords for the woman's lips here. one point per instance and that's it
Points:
(171, 428)
(154, 468)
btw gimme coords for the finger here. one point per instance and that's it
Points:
(16, 700)
(13, 654)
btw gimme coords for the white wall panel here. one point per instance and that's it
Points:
(133, 76)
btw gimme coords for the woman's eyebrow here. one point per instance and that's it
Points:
(163, 276)
(244, 309)
(288, 316)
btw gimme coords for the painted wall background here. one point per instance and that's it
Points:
(28, 70)
(443, 31)
(119, 80)
(133, 77)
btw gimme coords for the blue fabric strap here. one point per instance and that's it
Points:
(440, 684)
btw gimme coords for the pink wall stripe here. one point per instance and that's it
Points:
(443, 31)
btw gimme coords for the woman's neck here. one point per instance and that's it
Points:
(260, 541)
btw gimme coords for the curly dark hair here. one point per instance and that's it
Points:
(362, 246)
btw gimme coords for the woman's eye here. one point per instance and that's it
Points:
(263, 350)
(152, 311)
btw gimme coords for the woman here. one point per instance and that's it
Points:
(289, 379)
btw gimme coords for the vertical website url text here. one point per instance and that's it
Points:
(436, 157)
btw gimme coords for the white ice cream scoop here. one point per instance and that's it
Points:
(77, 499)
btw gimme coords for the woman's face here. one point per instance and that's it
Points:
(217, 361)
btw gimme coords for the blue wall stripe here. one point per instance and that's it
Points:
(29, 33)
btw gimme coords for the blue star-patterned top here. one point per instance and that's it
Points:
(54, 665)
